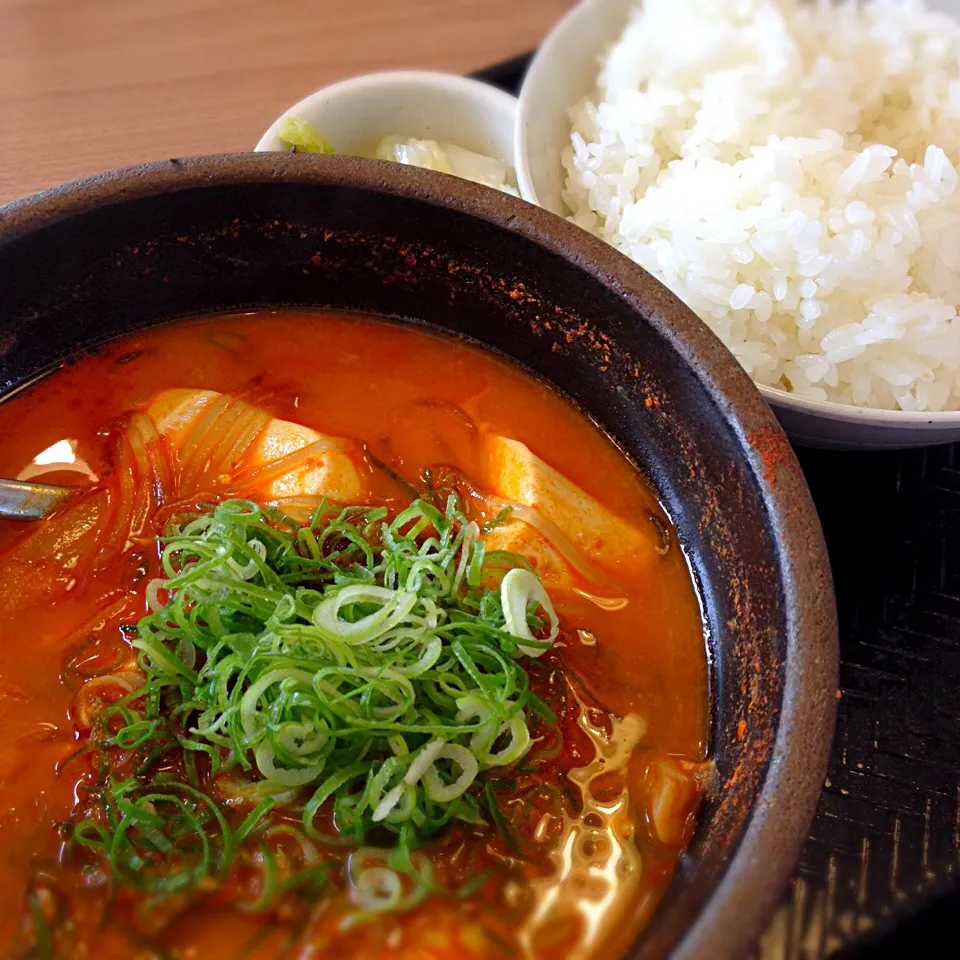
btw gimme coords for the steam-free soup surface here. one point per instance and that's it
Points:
(569, 846)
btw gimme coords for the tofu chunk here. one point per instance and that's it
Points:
(183, 418)
(515, 536)
(516, 474)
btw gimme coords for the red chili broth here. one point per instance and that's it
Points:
(408, 394)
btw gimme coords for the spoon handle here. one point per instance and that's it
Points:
(30, 501)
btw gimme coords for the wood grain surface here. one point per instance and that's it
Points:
(87, 85)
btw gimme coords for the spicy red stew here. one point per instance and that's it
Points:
(354, 641)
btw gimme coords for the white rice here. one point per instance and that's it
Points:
(789, 171)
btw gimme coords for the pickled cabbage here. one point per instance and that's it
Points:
(449, 158)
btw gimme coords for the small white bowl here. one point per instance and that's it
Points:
(355, 114)
(563, 72)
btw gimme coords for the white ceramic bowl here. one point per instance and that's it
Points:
(355, 114)
(564, 71)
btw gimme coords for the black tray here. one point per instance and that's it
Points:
(878, 872)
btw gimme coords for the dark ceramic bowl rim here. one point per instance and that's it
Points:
(746, 895)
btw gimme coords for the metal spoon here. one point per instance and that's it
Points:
(31, 501)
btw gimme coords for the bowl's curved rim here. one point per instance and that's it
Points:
(750, 887)
(850, 413)
(571, 23)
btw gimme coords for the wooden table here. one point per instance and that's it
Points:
(86, 85)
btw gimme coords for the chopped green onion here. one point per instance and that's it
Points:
(520, 589)
(358, 663)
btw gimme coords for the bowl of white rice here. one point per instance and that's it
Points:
(790, 170)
